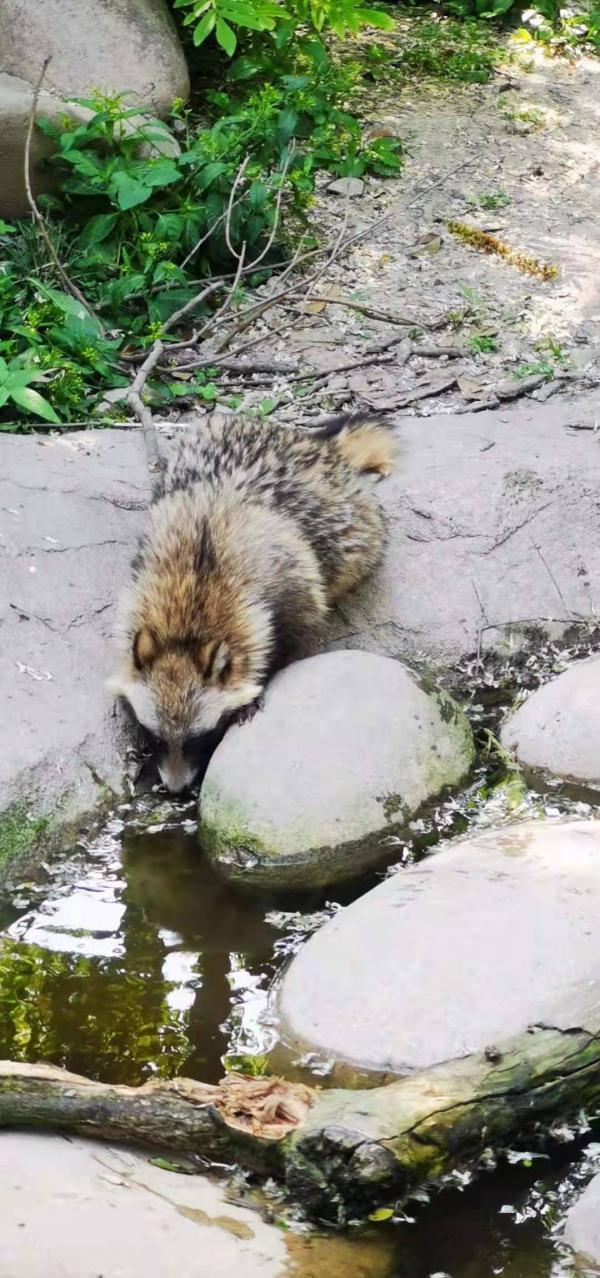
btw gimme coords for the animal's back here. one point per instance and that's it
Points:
(314, 478)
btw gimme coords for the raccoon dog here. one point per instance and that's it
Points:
(254, 532)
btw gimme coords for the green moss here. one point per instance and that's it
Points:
(19, 832)
(391, 804)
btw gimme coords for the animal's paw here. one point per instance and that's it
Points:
(247, 713)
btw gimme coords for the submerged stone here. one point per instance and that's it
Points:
(472, 946)
(347, 749)
(582, 1230)
(557, 729)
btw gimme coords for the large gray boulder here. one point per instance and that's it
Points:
(70, 509)
(474, 560)
(582, 1229)
(77, 1209)
(95, 46)
(453, 955)
(556, 731)
(348, 748)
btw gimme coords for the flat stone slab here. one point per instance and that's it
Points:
(474, 506)
(582, 1229)
(473, 553)
(557, 729)
(346, 750)
(467, 948)
(81, 1209)
(70, 510)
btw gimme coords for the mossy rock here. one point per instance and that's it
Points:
(348, 748)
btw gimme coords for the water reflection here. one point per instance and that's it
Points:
(131, 970)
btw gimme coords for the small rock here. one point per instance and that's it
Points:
(349, 187)
(582, 1230)
(557, 730)
(347, 749)
(452, 956)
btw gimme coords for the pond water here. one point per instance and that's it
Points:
(133, 961)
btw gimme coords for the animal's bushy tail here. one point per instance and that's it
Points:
(364, 440)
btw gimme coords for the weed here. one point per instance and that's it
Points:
(446, 49)
(489, 200)
(127, 222)
(482, 344)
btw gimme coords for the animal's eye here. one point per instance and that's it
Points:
(156, 742)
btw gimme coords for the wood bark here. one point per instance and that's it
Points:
(340, 1152)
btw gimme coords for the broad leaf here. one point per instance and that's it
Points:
(226, 37)
(27, 398)
(129, 192)
(97, 229)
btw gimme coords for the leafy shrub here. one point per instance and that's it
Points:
(126, 224)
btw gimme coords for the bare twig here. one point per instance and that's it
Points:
(238, 177)
(142, 411)
(68, 283)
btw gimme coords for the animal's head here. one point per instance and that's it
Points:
(184, 692)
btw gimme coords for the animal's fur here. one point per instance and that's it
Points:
(255, 531)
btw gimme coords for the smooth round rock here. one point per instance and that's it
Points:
(467, 948)
(557, 729)
(582, 1229)
(96, 46)
(346, 750)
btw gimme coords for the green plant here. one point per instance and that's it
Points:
(221, 16)
(138, 231)
(15, 386)
(482, 344)
(490, 200)
(447, 49)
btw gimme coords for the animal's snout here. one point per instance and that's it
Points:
(176, 774)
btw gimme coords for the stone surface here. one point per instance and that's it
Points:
(126, 47)
(16, 96)
(473, 512)
(582, 1229)
(70, 510)
(468, 948)
(347, 186)
(135, 50)
(346, 750)
(81, 1209)
(557, 729)
(474, 506)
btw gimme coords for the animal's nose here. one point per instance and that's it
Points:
(175, 779)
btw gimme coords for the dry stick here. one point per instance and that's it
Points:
(141, 410)
(68, 283)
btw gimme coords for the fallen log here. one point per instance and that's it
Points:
(340, 1152)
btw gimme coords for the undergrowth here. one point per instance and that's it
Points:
(278, 87)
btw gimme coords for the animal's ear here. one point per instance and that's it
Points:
(145, 649)
(213, 660)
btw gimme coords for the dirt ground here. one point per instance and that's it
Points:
(518, 158)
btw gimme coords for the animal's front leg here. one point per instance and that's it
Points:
(246, 713)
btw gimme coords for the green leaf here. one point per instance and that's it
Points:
(97, 229)
(129, 192)
(70, 306)
(245, 67)
(27, 398)
(204, 28)
(382, 1213)
(167, 1164)
(208, 175)
(161, 172)
(6, 229)
(376, 18)
(4, 371)
(226, 37)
